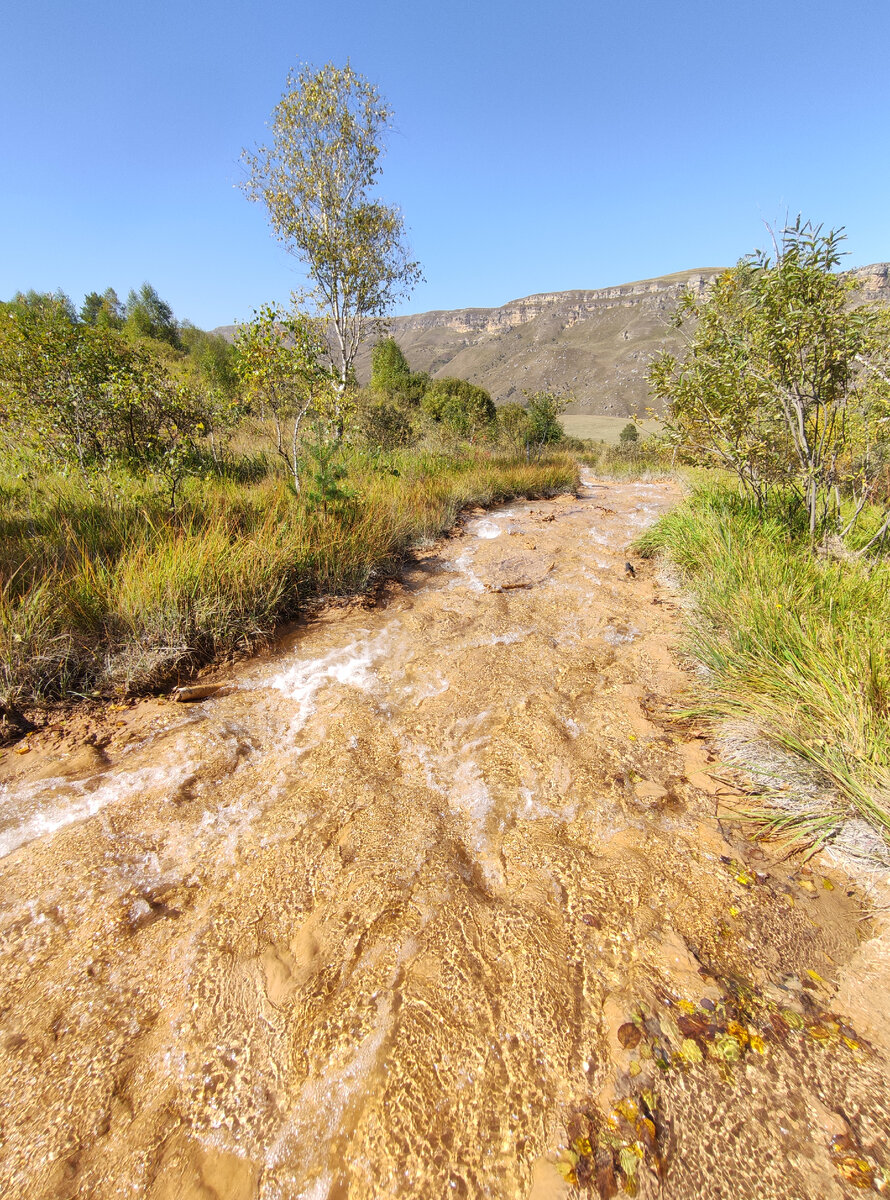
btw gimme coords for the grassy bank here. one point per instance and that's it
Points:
(106, 591)
(633, 460)
(795, 644)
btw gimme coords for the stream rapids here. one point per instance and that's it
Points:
(380, 919)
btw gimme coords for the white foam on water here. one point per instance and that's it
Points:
(468, 792)
(462, 565)
(532, 810)
(486, 528)
(615, 638)
(350, 665)
(432, 687)
(327, 1099)
(502, 639)
(455, 775)
(40, 809)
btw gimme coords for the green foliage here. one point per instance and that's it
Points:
(148, 316)
(534, 426)
(384, 424)
(782, 383)
(31, 305)
(392, 377)
(326, 490)
(389, 368)
(543, 410)
(280, 362)
(210, 369)
(104, 310)
(629, 435)
(315, 178)
(463, 407)
(514, 430)
(795, 644)
(80, 393)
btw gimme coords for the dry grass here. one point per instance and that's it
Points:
(109, 592)
(603, 429)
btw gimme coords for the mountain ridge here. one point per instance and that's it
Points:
(595, 342)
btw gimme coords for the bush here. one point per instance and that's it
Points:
(629, 434)
(466, 409)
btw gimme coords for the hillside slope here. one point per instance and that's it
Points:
(598, 343)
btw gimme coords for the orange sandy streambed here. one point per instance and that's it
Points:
(436, 901)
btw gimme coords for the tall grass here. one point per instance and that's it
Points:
(107, 591)
(794, 643)
(631, 460)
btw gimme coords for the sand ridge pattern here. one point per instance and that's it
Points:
(433, 903)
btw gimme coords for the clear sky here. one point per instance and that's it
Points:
(539, 146)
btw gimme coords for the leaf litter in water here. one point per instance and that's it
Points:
(629, 1035)
(851, 1163)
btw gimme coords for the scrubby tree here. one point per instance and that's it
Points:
(530, 428)
(463, 407)
(81, 393)
(104, 310)
(326, 491)
(513, 427)
(629, 435)
(210, 369)
(315, 177)
(782, 382)
(280, 359)
(383, 424)
(392, 377)
(390, 372)
(148, 316)
(544, 410)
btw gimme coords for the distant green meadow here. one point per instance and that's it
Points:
(602, 429)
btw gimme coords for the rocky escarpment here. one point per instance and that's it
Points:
(598, 343)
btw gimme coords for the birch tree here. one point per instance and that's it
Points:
(278, 359)
(315, 175)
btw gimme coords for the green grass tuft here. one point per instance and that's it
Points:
(795, 644)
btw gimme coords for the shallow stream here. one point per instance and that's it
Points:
(374, 922)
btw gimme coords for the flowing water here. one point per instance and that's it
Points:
(435, 902)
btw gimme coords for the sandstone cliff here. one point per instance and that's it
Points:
(598, 343)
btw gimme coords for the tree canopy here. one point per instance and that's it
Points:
(783, 381)
(315, 177)
(462, 406)
(392, 377)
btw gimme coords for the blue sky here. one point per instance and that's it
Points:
(538, 146)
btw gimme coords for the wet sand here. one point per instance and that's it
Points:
(436, 901)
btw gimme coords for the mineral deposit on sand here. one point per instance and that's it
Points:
(436, 901)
